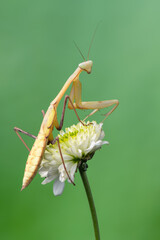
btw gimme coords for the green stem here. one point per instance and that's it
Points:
(82, 169)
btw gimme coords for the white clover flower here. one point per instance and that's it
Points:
(78, 142)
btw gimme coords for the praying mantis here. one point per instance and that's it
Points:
(50, 120)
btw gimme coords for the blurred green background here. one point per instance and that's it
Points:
(37, 55)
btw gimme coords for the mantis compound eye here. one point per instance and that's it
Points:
(86, 66)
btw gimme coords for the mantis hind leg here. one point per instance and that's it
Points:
(59, 147)
(26, 133)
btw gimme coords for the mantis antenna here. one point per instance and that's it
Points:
(79, 50)
(89, 45)
(92, 40)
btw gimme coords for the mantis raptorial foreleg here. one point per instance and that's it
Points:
(90, 114)
(75, 95)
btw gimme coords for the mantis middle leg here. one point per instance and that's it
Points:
(59, 126)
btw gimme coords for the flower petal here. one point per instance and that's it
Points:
(72, 171)
(58, 187)
(48, 179)
(43, 171)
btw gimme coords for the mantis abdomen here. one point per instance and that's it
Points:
(37, 151)
(34, 159)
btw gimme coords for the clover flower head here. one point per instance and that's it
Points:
(78, 142)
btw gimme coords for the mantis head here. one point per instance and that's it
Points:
(86, 66)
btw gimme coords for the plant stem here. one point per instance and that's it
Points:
(82, 169)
